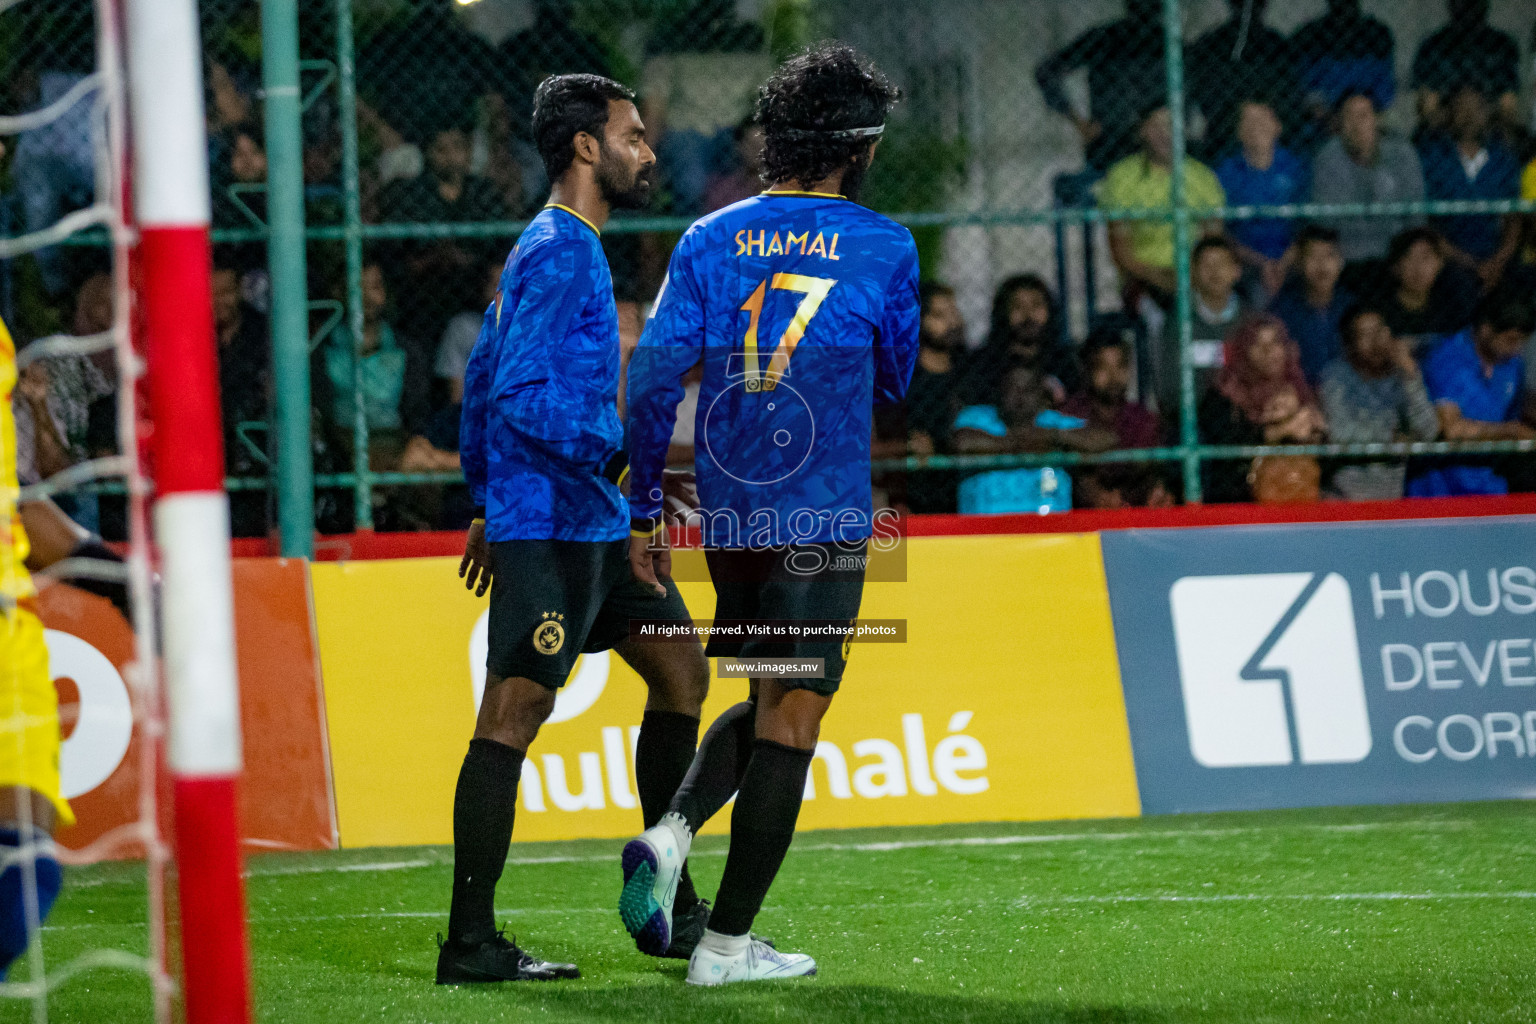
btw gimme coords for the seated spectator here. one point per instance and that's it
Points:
(1262, 173)
(1023, 420)
(1025, 328)
(441, 271)
(743, 179)
(447, 191)
(1260, 398)
(245, 395)
(1341, 53)
(1124, 61)
(1104, 403)
(462, 332)
(1245, 50)
(53, 400)
(1425, 295)
(1216, 308)
(1361, 165)
(1374, 394)
(920, 424)
(1312, 303)
(1469, 162)
(245, 352)
(1467, 52)
(1143, 250)
(1476, 379)
(389, 370)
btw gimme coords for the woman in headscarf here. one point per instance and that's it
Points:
(1261, 397)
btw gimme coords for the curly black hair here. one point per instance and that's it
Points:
(565, 105)
(826, 89)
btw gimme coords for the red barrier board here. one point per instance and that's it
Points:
(366, 546)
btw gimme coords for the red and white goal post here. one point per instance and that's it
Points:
(191, 509)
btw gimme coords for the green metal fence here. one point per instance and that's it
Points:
(394, 135)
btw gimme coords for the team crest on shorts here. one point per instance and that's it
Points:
(549, 637)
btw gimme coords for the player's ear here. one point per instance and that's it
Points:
(587, 147)
(870, 158)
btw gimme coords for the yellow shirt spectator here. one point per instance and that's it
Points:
(1136, 183)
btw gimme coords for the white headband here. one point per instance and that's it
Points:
(837, 133)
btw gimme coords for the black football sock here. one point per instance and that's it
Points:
(662, 756)
(718, 766)
(483, 806)
(762, 826)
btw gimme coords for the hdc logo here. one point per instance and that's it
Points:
(1270, 666)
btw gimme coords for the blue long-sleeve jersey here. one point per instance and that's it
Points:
(804, 311)
(539, 422)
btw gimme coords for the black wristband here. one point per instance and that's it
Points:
(646, 527)
(616, 468)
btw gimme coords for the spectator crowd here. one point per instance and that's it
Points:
(1354, 329)
(1350, 329)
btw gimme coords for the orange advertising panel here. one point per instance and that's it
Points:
(285, 792)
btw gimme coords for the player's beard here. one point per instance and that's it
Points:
(621, 190)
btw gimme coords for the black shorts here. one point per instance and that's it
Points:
(821, 583)
(553, 600)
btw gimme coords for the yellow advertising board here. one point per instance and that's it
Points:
(1004, 702)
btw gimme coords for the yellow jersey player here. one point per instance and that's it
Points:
(31, 803)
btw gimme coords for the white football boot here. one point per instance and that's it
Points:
(653, 863)
(724, 959)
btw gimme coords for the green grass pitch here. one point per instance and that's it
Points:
(1383, 914)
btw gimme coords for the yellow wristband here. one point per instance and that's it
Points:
(478, 522)
(653, 531)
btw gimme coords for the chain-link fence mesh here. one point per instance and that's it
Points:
(1033, 156)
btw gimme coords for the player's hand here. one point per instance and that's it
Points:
(650, 558)
(475, 568)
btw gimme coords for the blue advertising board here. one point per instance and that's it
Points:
(1302, 665)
